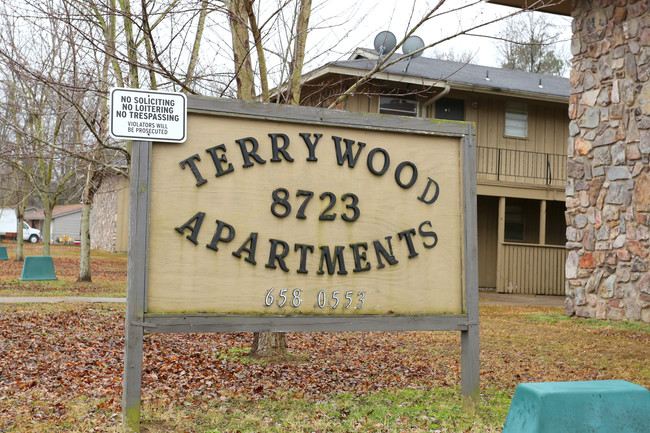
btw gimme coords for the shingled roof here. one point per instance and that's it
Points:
(59, 210)
(464, 76)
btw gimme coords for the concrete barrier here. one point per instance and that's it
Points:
(579, 407)
(38, 268)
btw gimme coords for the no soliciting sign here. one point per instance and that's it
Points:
(148, 115)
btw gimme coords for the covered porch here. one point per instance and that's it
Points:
(521, 245)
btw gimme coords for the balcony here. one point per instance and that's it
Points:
(522, 167)
(532, 269)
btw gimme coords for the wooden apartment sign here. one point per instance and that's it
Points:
(275, 218)
(270, 218)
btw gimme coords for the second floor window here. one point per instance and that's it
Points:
(398, 106)
(450, 109)
(516, 120)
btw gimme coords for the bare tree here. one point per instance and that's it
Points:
(455, 56)
(243, 23)
(527, 43)
(13, 183)
(38, 119)
(61, 121)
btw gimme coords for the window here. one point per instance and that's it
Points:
(450, 109)
(25, 226)
(398, 106)
(516, 120)
(515, 226)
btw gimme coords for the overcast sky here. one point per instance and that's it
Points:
(358, 21)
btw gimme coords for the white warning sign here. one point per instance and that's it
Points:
(148, 115)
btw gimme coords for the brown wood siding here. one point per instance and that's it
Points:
(362, 104)
(525, 159)
(533, 269)
(548, 122)
(487, 216)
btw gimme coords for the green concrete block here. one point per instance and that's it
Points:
(579, 407)
(38, 268)
(3, 253)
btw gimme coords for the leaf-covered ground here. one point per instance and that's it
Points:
(61, 365)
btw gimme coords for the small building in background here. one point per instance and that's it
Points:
(66, 222)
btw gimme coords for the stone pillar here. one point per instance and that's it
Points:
(608, 179)
(103, 215)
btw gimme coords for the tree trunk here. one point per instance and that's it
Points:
(84, 262)
(270, 346)
(94, 180)
(20, 215)
(241, 49)
(259, 48)
(194, 58)
(273, 345)
(297, 60)
(267, 345)
(47, 228)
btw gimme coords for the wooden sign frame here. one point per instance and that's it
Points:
(139, 321)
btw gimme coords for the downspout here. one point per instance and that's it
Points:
(433, 99)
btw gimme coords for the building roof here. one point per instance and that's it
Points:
(560, 7)
(459, 75)
(58, 211)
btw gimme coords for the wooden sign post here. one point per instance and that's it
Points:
(279, 218)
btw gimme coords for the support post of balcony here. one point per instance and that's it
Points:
(501, 231)
(542, 222)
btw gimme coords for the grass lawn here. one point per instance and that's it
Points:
(61, 367)
(108, 273)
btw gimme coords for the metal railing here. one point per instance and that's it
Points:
(521, 166)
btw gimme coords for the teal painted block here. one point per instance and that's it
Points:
(3, 253)
(605, 406)
(38, 268)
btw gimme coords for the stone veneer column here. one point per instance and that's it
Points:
(103, 215)
(608, 178)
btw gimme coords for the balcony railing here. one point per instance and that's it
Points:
(533, 269)
(520, 166)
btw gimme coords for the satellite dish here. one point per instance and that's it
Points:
(385, 42)
(413, 43)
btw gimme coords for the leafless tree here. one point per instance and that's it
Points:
(527, 43)
(59, 116)
(37, 117)
(454, 56)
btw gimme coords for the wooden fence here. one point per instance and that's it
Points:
(533, 269)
